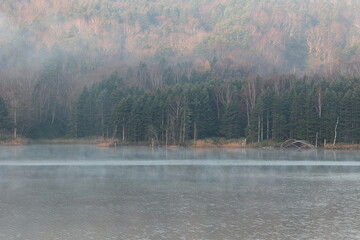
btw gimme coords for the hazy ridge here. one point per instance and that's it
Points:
(266, 36)
(247, 67)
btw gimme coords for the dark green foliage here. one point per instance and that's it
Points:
(5, 121)
(47, 130)
(330, 114)
(85, 115)
(298, 114)
(200, 111)
(262, 117)
(307, 109)
(106, 94)
(230, 125)
(281, 116)
(92, 115)
(284, 108)
(121, 117)
(356, 115)
(50, 99)
(175, 115)
(312, 117)
(137, 120)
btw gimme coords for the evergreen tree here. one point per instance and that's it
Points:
(121, 117)
(106, 94)
(281, 118)
(230, 126)
(347, 117)
(356, 115)
(5, 121)
(298, 114)
(84, 115)
(330, 116)
(312, 118)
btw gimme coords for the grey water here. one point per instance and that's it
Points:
(81, 192)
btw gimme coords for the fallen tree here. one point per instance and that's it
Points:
(297, 144)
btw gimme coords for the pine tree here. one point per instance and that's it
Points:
(121, 118)
(136, 123)
(311, 118)
(85, 115)
(230, 126)
(346, 117)
(5, 121)
(330, 115)
(281, 118)
(356, 115)
(297, 114)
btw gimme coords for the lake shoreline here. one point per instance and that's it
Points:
(199, 144)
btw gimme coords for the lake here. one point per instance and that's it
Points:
(81, 192)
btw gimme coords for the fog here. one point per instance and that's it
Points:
(50, 50)
(103, 36)
(83, 192)
(72, 155)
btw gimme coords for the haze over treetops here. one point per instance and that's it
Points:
(281, 36)
(170, 71)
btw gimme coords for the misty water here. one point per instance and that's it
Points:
(82, 192)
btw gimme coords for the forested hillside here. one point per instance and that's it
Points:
(174, 70)
(299, 36)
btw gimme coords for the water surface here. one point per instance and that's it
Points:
(83, 192)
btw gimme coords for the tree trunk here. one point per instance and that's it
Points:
(262, 128)
(218, 108)
(184, 131)
(115, 131)
(53, 114)
(123, 130)
(259, 128)
(166, 137)
(267, 126)
(15, 123)
(195, 133)
(335, 133)
(319, 104)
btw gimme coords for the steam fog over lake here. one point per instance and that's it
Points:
(83, 192)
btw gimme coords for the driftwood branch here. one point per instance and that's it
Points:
(297, 144)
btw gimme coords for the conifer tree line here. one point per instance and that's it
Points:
(313, 109)
(5, 120)
(192, 105)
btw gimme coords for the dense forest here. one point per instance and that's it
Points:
(172, 71)
(277, 36)
(197, 106)
(259, 109)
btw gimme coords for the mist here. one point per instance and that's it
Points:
(102, 36)
(79, 192)
(50, 51)
(177, 73)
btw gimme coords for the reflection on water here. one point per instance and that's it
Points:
(81, 199)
